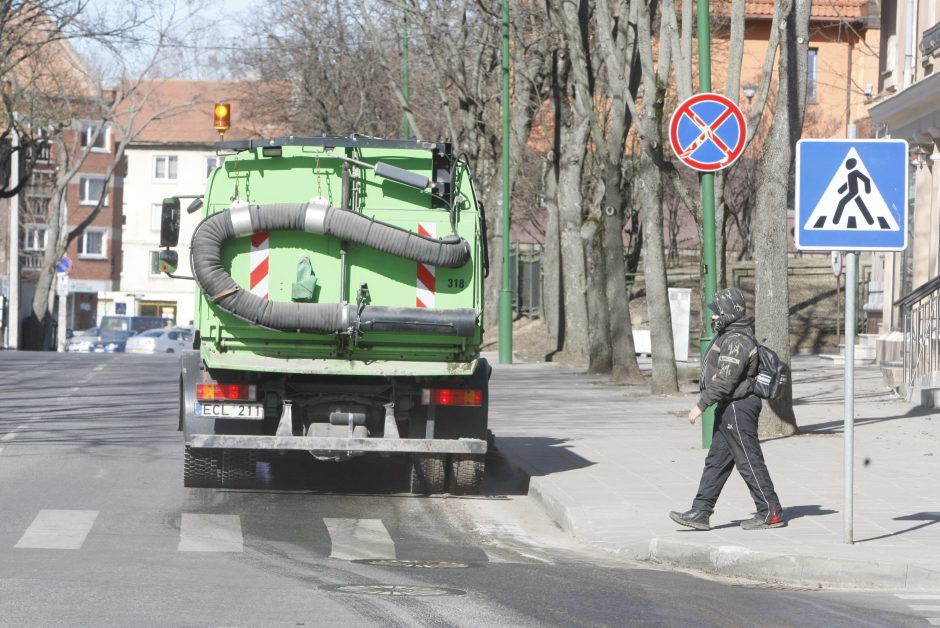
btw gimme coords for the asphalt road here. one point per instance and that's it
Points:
(96, 529)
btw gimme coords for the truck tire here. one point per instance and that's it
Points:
(466, 474)
(428, 474)
(202, 468)
(239, 468)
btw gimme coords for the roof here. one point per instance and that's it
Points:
(848, 10)
(184, 112)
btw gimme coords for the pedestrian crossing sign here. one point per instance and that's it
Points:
(851, 195)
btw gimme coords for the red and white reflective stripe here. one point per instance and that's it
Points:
(426, 272)
(259, 264)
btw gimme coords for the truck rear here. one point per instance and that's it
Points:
(339, 288)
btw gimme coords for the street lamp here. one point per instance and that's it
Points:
(749, 90)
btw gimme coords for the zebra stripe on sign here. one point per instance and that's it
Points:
(258, 283)
(359, 539)
(426, 273)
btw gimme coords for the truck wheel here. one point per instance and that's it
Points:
(466, 474)
(239, 468)
(202, 468)
(428, 474)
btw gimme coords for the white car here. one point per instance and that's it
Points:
(160, 341)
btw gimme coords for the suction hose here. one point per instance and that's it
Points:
(324, 318)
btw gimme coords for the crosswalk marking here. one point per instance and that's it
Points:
(924, 597)
(350, 538)
(58, 529)
(359, 539)
(210, 533)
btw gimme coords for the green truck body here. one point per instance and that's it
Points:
(339, 299)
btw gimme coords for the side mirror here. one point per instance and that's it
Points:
(195, 206)
(170, 222)
(168, 262)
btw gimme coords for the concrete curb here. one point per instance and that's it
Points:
(792, 569)
(741, 562)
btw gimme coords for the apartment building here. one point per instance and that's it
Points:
(908, 107)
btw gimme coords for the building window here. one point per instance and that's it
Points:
(164, 167)
(35, 238)
(91, 189)
(92, 244)
(94, 140)
(213, 162)
(811, 95)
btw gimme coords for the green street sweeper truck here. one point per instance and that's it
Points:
(339, 302)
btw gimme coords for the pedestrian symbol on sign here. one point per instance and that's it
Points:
(852, 201)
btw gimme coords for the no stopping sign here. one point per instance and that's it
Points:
(707, 132)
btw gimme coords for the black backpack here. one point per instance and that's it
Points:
(772, 374)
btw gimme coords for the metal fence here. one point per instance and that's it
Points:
(921, 315)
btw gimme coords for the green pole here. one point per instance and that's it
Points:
(404, 60)
(708, 206)
(505, 294)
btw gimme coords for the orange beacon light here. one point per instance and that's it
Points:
(223, 118)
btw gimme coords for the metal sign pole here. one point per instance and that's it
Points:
(849, 426)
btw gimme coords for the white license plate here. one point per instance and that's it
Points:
(230, 410)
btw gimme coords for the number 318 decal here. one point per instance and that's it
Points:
(456, 283)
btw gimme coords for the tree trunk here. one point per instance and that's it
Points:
(574, 280)
(618, 45)
(772, 294)
(600, 359)
(649, 196)
(552, 304)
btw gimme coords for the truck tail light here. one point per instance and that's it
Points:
(225, 392)
(451, 397)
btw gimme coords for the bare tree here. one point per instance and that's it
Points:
(28, 30)
(617, 34)
(119, 109)
(772, 295)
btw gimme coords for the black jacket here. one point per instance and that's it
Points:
(730, 361)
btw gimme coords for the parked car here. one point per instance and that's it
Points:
(111, 342)
(137, 324)
(81, 340)
(97, 340)
(160, 341)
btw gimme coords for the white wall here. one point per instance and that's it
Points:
(141, 233)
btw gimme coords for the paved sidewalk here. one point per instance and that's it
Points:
(608, 463)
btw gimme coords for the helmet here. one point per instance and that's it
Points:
(728, 305)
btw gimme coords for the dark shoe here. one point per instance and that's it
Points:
(697, 519)
(761, 522)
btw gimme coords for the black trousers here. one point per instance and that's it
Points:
(735, 444)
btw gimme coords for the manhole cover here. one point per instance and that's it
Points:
(405, 590)
(415, 564)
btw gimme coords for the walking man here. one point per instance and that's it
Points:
(729, 363)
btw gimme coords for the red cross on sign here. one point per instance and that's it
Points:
(707, 132)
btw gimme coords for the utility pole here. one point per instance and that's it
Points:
(505, 294)
(708, 206)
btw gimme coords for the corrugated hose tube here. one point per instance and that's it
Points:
(325, 318)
